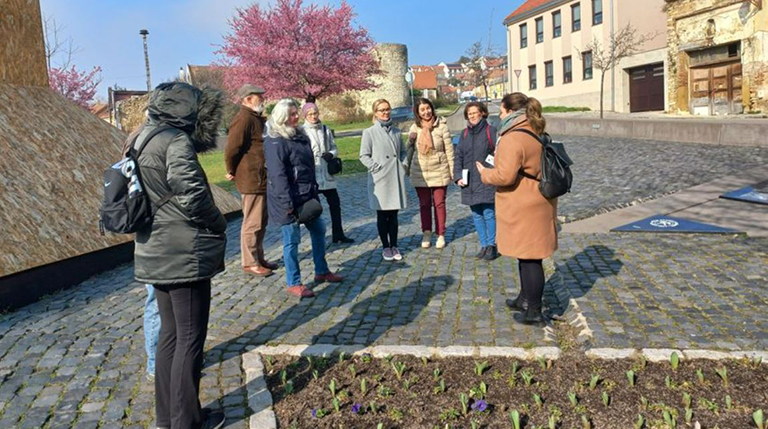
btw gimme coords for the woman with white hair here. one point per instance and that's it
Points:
(292, 195)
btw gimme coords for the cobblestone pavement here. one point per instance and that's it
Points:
(76, 358)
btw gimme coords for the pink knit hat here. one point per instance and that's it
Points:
(307, 107)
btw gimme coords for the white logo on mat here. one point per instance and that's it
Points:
(664, 223)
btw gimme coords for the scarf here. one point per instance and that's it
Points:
(316, 125)
(385, 124)
(424, 140)
(506, 123)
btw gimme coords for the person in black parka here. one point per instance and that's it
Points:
(476, 142)
(183, 247)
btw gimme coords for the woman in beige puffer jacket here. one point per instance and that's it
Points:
(430, 164)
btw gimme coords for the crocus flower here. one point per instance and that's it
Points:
(480, 405)
(356, 408)
(314, 412)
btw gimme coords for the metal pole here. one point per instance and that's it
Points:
(144, 33)
(613, 67)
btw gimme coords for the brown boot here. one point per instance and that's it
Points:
(258, 271)
(301, 291)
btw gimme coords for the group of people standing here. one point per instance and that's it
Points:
(280, 168)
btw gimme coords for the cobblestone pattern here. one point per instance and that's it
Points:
(76, 358)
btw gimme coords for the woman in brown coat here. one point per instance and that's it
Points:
(431, 169)
(526, 221)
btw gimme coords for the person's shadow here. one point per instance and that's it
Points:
(575, 277)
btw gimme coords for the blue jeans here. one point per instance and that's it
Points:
(484, 217)
(151, 328)
(291, 238)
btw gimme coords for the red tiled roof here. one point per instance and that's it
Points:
(425, 80)
(527, 6)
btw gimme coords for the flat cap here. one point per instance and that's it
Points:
(249, 89)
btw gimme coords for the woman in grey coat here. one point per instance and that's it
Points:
(383, 153)
(183, 247)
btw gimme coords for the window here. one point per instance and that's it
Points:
(523, 36)
(597, 12)
(549, 74)
(576, 17)
(586, 60)
(531, 77)
(539, 30)
(567, 71)
(556, 25)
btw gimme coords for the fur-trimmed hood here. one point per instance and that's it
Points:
(195, 111)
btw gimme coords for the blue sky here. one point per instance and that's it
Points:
(187, 31)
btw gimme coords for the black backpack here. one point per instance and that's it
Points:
(556, 177)
(126, 207)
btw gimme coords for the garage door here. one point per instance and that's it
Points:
(646, 88)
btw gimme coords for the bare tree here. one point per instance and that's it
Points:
(621, 44)
(55, 46)
(478, 74)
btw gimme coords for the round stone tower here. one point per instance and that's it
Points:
(391, 84)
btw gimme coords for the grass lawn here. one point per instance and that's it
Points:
(563, 109)
(448, 109)
(349, 151)
(348, 126)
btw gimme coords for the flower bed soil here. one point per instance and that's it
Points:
(423, 405)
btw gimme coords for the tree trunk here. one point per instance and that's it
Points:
(602, 88)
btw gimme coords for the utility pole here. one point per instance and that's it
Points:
(144, 33)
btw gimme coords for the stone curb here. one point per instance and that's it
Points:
(260, 399)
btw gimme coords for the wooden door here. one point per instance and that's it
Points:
(646, 88)
(716, 90)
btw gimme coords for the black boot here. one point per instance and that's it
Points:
(531, 316)
(517, 304)
(482, 252)
(344, 239)
(491, 254)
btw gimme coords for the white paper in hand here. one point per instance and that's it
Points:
(465, 176)
(489, 160)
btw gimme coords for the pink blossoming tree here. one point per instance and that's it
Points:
(77, 86)
(297, 51)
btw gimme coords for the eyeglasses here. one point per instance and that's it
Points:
(384, 110)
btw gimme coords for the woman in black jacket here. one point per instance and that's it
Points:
(476, 144)
(291, 189)
(183, 247)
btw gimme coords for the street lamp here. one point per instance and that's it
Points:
(144, 33)
(409, 79)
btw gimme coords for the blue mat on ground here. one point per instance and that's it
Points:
(749, 194)
(663, 223)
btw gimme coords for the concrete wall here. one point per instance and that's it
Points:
(646, 16)
(22, 50)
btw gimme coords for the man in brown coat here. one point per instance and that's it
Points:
(244, 158)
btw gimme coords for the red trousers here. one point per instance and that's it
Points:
(428, 198)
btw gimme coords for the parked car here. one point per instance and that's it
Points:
(402, 114)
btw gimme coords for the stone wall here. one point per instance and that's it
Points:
(698, 24)
(22, 50)
(131, 113)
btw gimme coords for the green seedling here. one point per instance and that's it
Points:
(644, 402)
(436, 374)
(336, 404)
(399, 368)
(342, 357)
(283, 377)
(408, 382)
(515, 367)
(310, 362)
(440, 388)
(723, 373)
(372, 406)
(270, 360)
(424, 360)
(364, 386)
(688, 416)
(538, 401)
(710, 405)
(669, 419)
(288, 388)
(475, 424)
(700, 376)
(464, 404)
(514, 418)
(639, 423)
(687, 400)
(643, 362)
(593, 381)
(631, 377)
(756, 361)
(606, 399)
(380, 426)
(527, 377)
(315, 374)
(480, 367)
(385, 391)
(585, 423)
(573, 398)
(542, 362)
(552, 422)
(353, 370)
(757, 416)
(728, 403)
(332, 387)
(668, 382)
(674, 360)
(367, 358)
(388, 358)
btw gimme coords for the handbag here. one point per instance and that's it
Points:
(309, 211)
(334, 166)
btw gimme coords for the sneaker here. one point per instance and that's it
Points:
(329, 277)
(482, 252)
(426, 239)
(301, 291)
(213, 419)
(396, 254)
(387, 254)
(440, 242)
